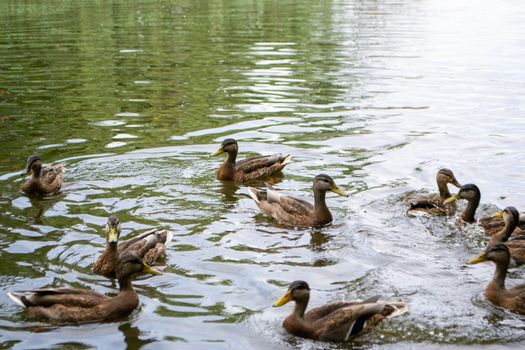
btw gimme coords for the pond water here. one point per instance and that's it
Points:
(132, 96)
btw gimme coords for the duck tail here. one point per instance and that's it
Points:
(19, 299)
(169, 237)
(287, 159)
(252, 191)
(395, 308)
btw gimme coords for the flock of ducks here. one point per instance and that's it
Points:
(340, 321)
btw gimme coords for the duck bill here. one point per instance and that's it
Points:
(498, 214)
(456, 183)
(284, 300)
(217, 152)
(26, 170)
(148, 269)
(112, 235)
(339, 191)
(478, 259)
(451, 199)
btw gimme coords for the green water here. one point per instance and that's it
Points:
(132, 97)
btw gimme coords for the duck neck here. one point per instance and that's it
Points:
(470, 210)
(320, 208)
(443, 190)
(37, 169)
(111, 251)
(232, 157)
(125, 283)
(504, 234)
(500, 274)
(300, 308)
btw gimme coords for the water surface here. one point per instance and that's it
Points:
(132, 96)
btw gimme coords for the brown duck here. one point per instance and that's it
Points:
(294, 211)
(337, 322)
(65, 305)
(149, 246)
(472, 195)
(249, 168)
(44, 180)
(513, 298)
(495, 223)
(511, 218)
(433, 204)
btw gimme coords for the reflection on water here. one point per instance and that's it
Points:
(133, 96)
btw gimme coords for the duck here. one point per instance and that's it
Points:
(294, 211)
(149, 246)
(511, 218)
(45, 179)
(335, 322)
(472, 195)
(495, 223)
(247, 169)
(73, 306)
(433, 204)
(512, 299)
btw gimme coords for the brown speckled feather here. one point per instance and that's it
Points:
(49, 182)
(493, 225)
(259, 167)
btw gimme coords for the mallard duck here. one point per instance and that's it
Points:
(247, 169)
(495, 223)
(513, 298)
(433, 204)
(65, 305)
(45, 180)
(149, 246)
(340, 321)
(472, 195)
(297, 212)
(516, 246)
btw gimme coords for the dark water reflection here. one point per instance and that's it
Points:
(133, 96)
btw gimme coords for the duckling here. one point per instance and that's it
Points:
(336, 322)
(517, 245)
(512, 299)
(433, 204)
(65, 305)
(149, 246)
(247, 169)
(45, 180)
(297, 212)
(471, 193)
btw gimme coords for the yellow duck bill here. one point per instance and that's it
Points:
(339, 191)
(284, 300)
(478, 259)
(451, 199)
(148, 269)
(217, 152)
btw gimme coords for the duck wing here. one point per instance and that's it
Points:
(149, 246)
(351, 321)
(52, 177)
(323, 310)
(62, 296)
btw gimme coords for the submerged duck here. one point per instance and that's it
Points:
(247, 169)
(513, 298)
(45, 180)
(149, 246)
(65, 305)
(472, 195)
(340, 321)
(294, 211)
(433, 204)
(511, 218)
